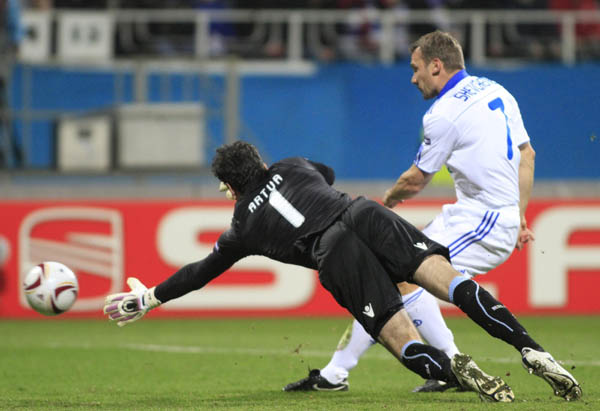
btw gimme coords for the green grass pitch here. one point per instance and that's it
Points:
(242, 364)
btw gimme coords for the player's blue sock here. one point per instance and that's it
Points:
(489, 313)
(427, 361)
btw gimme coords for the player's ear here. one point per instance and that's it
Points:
(436, 66)
(234, 195)
(226, 188)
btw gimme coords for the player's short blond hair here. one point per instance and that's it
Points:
(441, 45)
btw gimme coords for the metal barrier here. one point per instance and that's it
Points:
(297, 31)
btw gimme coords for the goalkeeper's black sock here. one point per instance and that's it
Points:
(490, 314)
(428, 362)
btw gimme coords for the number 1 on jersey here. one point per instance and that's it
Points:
(497, 103)
(287, 211)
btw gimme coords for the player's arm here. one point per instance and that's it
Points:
(409, 184)
(438, 141)
(526, 171)
(131, 306)
(326, 171)
(193, 276)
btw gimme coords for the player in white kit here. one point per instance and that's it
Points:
(474, 127)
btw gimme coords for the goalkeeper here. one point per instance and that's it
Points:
(291, 213)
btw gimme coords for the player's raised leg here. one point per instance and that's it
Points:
(425, 314)
(424, 311)
(354, 343)
(400, 337)
(437, 276)
(431, 363)
(362, 285)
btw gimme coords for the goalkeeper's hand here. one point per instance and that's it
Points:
(128, 307)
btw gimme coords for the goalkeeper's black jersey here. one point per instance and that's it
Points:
(279, 219)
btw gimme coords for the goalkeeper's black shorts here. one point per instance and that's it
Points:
(362, 257)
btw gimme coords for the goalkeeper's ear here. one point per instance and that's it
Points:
(229, 192)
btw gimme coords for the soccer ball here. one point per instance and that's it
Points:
(50, 288)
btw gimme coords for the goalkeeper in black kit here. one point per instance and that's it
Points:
(291, 213)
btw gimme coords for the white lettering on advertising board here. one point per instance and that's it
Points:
(551, 257)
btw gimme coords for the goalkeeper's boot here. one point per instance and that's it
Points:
(543, 365)
(471, 377)
(437, 386)
(316, 382)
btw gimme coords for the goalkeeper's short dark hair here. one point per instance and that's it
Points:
(239, 164)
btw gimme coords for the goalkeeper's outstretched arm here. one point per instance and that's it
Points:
(127, 307)
(192, 277)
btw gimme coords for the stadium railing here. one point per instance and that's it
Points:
(297, 30)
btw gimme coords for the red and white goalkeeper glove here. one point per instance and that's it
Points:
(128, 307)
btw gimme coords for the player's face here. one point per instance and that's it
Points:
(422, 75)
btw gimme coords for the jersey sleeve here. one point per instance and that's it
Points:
(326, 171)
(439, 138)
(515, 122)
(193, 276)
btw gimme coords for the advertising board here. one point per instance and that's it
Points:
(105, 242)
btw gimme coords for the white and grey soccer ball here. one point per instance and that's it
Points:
(51, 288)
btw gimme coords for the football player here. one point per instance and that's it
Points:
(291, 213)
(474, 128)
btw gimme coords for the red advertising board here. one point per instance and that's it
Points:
(104, 242)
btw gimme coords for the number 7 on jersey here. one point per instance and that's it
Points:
(497, 103)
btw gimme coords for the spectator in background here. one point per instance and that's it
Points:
(80, 4)
(510, 39)
(587, 34)
(361, 35)
(439, 17)
(11, 34)
(173, 38)
(219, 31)
(365, 34)
(37, 4)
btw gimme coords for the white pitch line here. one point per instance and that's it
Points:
(180, 349)
(200, 350)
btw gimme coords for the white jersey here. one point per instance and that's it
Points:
(475, 128)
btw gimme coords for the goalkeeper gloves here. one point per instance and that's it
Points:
(128, 307)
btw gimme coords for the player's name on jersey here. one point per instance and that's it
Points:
(473, 87)
(265, 192)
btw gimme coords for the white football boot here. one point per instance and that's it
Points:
(471, 377)
(543, 365)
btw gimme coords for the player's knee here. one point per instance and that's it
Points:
(435, 274)
(407, 288)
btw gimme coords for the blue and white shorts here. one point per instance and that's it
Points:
(479, 240)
